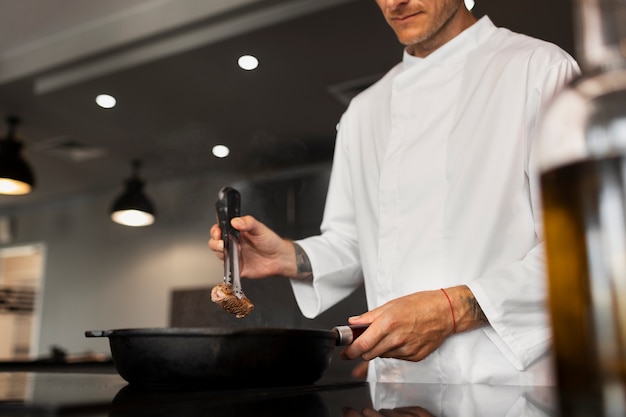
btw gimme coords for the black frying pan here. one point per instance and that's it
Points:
(224, 357)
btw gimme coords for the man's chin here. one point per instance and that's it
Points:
(409, 38)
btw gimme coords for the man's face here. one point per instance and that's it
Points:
(421, 21)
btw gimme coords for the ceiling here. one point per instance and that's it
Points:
(171, 64)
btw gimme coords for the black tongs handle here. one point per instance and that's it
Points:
(228, 206)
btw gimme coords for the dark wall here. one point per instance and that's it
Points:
(550, 20)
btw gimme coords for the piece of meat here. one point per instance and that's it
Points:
(222, 295)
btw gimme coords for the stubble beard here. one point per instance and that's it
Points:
(423, 39)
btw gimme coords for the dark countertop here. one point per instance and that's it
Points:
(53, 365)
(106, 394)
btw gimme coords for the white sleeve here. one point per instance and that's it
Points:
(334, 255)
(514, 297)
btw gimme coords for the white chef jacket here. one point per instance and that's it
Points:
(432, 186)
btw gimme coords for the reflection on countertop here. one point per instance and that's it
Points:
(87, 394)
(464, 400)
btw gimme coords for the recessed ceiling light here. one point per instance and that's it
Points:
(221, 151)
(248, 62)
(106, 101)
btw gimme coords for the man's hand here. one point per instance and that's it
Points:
(413, 326)
(263, 253)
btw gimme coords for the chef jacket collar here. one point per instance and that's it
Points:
(457, 47)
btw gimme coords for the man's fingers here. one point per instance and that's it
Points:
(216, 245)
(238, 223)
(372, 344)
(215, 232)
(365, 346)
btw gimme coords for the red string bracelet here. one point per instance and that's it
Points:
(451, 310)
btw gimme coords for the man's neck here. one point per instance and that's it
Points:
(449, 31)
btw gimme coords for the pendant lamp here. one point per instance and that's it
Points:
(132, 207)
(16, 177)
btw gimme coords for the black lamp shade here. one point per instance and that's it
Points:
(133, 208)
(16, 177)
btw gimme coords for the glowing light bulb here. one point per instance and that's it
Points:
(135, 218)
(13, 187)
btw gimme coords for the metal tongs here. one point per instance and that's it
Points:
(228, 206)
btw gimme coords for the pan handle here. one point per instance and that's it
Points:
(346, 334)
(98, 333)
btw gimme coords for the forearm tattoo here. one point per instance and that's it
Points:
(477, 312)
(303, 264)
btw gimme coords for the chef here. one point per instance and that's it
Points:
(433, 204)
